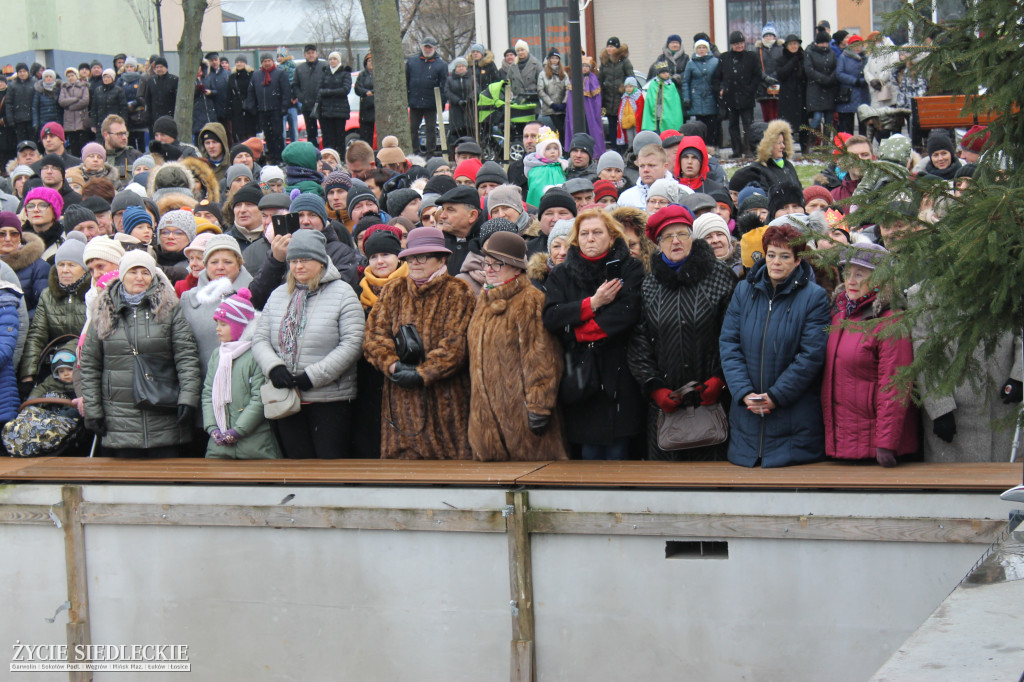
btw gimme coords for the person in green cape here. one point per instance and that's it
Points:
(545, 166)
(663, 110)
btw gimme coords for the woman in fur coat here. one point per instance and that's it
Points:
(514, 363)
(426, 399)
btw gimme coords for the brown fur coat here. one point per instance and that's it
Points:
(433, 425)
(514, 366)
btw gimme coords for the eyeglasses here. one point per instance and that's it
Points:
(10, 234)
(494, 265)
(674, 236)
(37, 206)
(300, 261)
(657, 202)
(123, 133)
(419, 258)
(168, 232)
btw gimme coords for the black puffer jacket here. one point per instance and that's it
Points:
(161, 93)
(106, 100)
(18, 104)
(738, 74)
(822, 84)
(334, 88)
(364, 84)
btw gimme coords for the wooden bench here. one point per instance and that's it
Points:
(944, 111)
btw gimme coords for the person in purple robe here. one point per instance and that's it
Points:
(591, 108)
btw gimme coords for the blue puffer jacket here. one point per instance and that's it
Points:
(776, 345)
(422, 75)
(697, 88)
(9, 327)
(45, 107)
(850, 72)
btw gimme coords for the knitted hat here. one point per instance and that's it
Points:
(360, 192)
(521, 43)
(722, 196)
(96, 204)
(53, 128)
(751, 191)
(159, 61)
(507, 247)
(55, 160)
(610, 159)
(839, 35)
(821, 36)
(434, 164)
(781, 194)
(399, 199)
(135, 216)
(308, 244)
(137, 258)
(555, 198)
(301, 154)
(236, 312)
(496, 225)
(220, 242)
(205, 226)
(236, 150)
(167, 126)
(199, 243)
(613, 42)
(94, 148)
(644, 138)
(666, 188)
(467, 169)
(179, 219)
(103, 248)
(583, 141)
(701, 42)
(124, 199)
(816, 192)
(338, 179)
(310, 202)
(457, 62)
(490, 171)
(769, 28)
(237, 171)
(605, 188)
(256, 145)
(669, 215)
(477, 47)
(855, 38)
(144, 161)
(561, 228)
(674, 38)
(938, 140)
(381, 241)
(975, 139)
(709, 223)
(505, 195)
(50, 196)
(390, 152)
(424, 240)
(10, 219)
(248, 194)
(207, 206)
(75, 215)
(71, 250)
(271, 173)
(21, 170)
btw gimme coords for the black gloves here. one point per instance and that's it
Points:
(97, 426)
(945, 427)
(538, 423)
(1012, 392)
(185, 413)
(876, 84)
(302, 381)
(406, 376)
(281, 377)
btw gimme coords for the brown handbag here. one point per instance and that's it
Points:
(692, 427)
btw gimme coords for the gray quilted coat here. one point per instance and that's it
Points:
(199, 313)
(332, 338)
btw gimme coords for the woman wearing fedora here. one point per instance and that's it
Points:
(416, 336)
(514, 362)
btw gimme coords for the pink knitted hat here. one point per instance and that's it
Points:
(50, 196)
(237, 312)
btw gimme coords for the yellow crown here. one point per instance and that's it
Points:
(546, 137)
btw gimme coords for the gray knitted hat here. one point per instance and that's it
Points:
(308, 244)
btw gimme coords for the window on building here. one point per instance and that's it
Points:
(543, 24)
(749, 17)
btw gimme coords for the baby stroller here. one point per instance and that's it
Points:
(881, 122)
(48, 424)
(490, 107)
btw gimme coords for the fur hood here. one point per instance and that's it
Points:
(38, 87)
(53, 283)
(621, 53)
(175, 200)
(589, 275)
(771, 133)
(487, 59)
(532, 230)
(32, 247)
(537, 267)
(202, 172)
(169, 178)
(160, 298)
(779, 42)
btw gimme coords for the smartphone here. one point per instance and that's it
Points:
(613, 270)
(757, 399)
(285, 224)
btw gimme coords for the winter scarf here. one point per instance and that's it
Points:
(71, 289)
(222, 379)
(266, 74)
(371, 285)
(437, 273)
(292, 325)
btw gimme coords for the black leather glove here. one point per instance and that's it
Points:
(185, 414)
(302, 381)
(538, 423)
(945, 427)
(876, 84)
(97, 426)
(281, 377)
(406, 376)
(1012, 392)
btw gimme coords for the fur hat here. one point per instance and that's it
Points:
(170, 178)
(236, 312)
(103, 248)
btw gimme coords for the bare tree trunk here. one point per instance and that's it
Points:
(389, 90)
(190, 54)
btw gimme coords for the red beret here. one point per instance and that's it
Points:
(673, 214)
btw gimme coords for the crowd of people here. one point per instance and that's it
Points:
(230, 300)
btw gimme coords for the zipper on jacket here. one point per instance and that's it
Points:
(145, 431)
(764, 337)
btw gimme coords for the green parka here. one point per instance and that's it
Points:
(57, 314)
(244, 413)
(156, 327)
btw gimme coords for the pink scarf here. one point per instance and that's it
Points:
(437, 273)
(221, 394)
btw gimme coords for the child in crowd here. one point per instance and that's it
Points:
(663, 110)
(60, 382)
(545, 166)
(196, 264)
(232, 405)
(138, 223)
(631, 112)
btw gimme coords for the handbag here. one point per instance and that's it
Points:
(845, 95)
(582, 377)
(279, 402)
(409, 345)
(154, 380)
(692, 427)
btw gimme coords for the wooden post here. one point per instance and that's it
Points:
(78, 632)
(523, 662)
(440, 124)
(508, 123)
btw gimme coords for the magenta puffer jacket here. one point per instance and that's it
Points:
(860, 414)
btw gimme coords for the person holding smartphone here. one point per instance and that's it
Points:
(592, 304)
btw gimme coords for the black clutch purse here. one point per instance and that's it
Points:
(409, 345)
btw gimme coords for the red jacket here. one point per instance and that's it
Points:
(860, 415)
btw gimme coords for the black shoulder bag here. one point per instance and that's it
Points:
(154, 380)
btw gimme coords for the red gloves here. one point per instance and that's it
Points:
(712, 391)
(662, 397)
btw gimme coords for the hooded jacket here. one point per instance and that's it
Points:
(822, 85)
(614, 71)
(701, 182)
(773, 341)
(32, 269)
(74, 99)
(57, 314)
(220, 170)
(485, 71)
(770, 171)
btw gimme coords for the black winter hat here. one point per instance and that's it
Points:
(439, 184)
(360, 192)
(966, 171)
(21, 66)
(939, 140)
(167, 126)
(496, 225)
(581, 141)
(839, 35)
(96, 204)
(554, 53)
(743, 177)
(821, 36)
(736, 37)
(701, 36)
(160, 61)
(695, 128)
(49, 160)
(211, 207)
(556, 198)
(462, 194)
(398, 199)
(783, 193)
(235, 151)
(382, 241)
(74, 215)
(250, 193)
(613, 42)
(490, 171)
